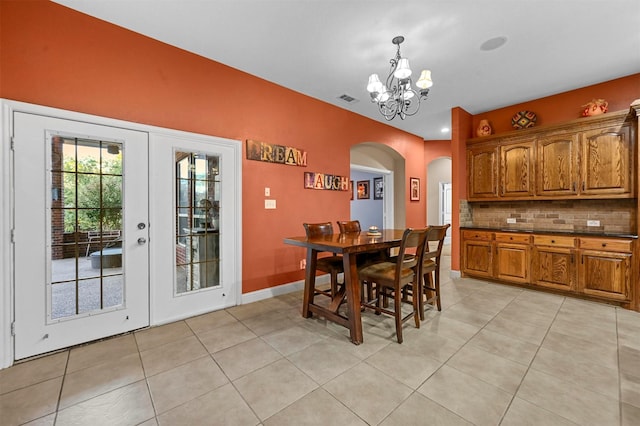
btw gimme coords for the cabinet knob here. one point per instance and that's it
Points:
(553, 241)
(604, 244)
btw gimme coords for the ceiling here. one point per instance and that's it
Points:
(327, 48)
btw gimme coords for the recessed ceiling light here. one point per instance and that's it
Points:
(493, 43)
(445, 129)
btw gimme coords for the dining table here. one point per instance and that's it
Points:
(349, 245)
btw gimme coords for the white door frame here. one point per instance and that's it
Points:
(7, 212)
(387, 200)
(165, 307)
(444, 187)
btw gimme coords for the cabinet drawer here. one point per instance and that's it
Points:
(605, 244)
(477, 235)
(513, 238)
(553, 241)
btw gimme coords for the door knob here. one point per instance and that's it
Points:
(142, 241)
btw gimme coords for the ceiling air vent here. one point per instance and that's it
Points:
(348, 99)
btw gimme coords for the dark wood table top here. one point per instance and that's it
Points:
(351, 242)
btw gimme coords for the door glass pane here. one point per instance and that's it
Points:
(197, 221)
(86, 225)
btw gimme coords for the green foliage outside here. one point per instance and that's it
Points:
(90, 187)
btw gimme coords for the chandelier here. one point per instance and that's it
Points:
(397, 97)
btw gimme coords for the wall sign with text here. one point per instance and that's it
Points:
(325, 181)
(261, 151)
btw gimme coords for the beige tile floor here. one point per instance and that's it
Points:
(495, 355)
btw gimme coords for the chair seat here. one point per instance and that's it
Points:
(384, 272)
(428, 265)
(330, 263)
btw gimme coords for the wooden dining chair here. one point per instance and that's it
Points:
(430, 285)
(362, 259)
(331, 264)
(390, 278)
(347, 226)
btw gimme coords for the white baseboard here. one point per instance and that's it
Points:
(268, 293)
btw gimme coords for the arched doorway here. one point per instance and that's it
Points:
(439, 192)
(381, 160)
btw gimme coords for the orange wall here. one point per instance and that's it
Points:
(55, 56)
(619, 93)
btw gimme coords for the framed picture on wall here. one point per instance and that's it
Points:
(414, 188)
(363, 190)
(351, 188)
(377, 188)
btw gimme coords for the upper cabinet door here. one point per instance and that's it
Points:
(517, 169)
(482, 163)
(607, 162)
(557, 165)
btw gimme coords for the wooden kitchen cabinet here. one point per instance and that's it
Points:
(513, 254)
(607, 162)
(588, 158)
(482, 163)
(597, 267)
(605, 268)
(557, 161)
(553, 262)
(517, 169)
(477, 255)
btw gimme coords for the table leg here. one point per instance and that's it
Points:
(309, 282)
(352, 286)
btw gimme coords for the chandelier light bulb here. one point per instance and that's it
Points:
(374, 84)
(424, 82)
(402, 70)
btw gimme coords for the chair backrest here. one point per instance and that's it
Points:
(349, 226)
(435, 241)
(407, 258)
(318, 229)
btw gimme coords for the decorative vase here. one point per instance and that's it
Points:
(595, 107)
(484, 128)
(524, 119)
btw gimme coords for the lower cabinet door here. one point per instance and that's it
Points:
(605, 274)
(554, 267)
(512, 262)
(478, 258)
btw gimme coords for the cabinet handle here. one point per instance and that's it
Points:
(583, 186)
(572, 258)
(553, 241)
(574, 187)
(604, 244)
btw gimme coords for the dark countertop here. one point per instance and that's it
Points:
(554, 232)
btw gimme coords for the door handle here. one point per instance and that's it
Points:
(142, 241)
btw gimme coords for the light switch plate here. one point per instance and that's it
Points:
(593, 223)
(267, 192)
(269, 204)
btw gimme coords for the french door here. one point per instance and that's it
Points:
(194, 201)
(81, 260)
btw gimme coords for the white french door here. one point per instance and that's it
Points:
(195, 225)
(81, 260)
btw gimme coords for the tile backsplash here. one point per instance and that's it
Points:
(609, 216)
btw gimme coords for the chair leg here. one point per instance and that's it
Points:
(437, 287)
(416, 304)
(397, 302)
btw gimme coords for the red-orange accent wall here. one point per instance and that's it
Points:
(54, 56)
(566, 106)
